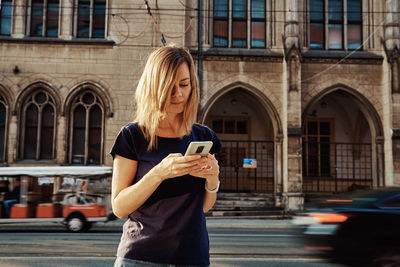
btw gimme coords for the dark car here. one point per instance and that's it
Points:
(360, 229)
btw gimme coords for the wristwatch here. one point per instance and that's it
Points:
(214, 190)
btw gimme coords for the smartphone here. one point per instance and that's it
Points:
(199, 148)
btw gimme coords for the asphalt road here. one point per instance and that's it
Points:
(52, 245)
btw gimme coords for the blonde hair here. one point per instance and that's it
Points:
(155, 87)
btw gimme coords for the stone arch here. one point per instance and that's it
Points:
(104, 105)
(48, 87)
(369, 112)
(363, 103)
(19, 107)
(253, 91)
(268, 108)
(6, 97)
(91, 86)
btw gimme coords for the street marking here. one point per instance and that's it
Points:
(251, 235)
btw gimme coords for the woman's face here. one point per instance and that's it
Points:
(181, 90)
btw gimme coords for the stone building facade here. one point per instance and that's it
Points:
(308, 88)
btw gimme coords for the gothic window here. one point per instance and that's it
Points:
(44, 18)
(3, 125)
(335, 24)
(317, 147)
(90, 18)
(86, 129)
(5, 17)
(230, 125)
(232, 19)
(38, 127)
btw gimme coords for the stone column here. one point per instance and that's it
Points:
(61, 142)
(392, 31)
(392, 46)
(291, 23)
(292, 196)
(12, 139)
(19, 18)
(66, 21)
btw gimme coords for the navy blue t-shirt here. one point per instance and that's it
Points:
(170, 226)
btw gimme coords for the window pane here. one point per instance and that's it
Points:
(258, 9)
(241, 127)
(317, 9)
(5, 17)
(317, 35)
(335, 36)
(47, 133)
(239, 34)
(2, 129)
(52, 18)
(31, 125)
(312, 127)
(353, 36)
(335, 10)
(99, 19)
(239, 9)
(312, 159)
(95, 122)
(354, 10)
(217, 126)
(325, 159)
(220, 33)
(83, 18)
(220, 8)
(37, 18)
(324, 128)
(78, 139)
(229, 127)
(258, 34)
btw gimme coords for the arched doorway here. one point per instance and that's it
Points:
(244, 125)
(342, 145)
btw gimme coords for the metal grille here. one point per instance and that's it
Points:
(235, 178)
(336, 167)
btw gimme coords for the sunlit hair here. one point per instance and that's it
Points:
(155, 88)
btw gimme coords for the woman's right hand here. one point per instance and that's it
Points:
(175, 165)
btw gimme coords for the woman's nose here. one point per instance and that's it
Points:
(177, 91)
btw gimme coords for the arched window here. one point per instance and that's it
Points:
(86, 129)
(3, 127)
(37, 127)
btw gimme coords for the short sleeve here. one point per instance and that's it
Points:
(217, 146)
(124, 144)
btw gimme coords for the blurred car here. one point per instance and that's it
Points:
(359, 229)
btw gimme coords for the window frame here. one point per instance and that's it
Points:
(264, 20)
(74, 104)
(23, 120)
(318, 136)
(5, 102)
(44, 20)
(11, 17)
(91, 20)
(248, 19)
(343, 22)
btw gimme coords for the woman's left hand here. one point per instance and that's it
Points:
(209, 170)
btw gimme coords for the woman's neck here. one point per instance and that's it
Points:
(170, 127)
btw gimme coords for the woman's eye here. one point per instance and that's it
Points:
(184, 85)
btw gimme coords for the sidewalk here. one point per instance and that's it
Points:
(246, 223)
(212, 223)
(232, 223)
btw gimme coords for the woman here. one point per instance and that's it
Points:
(164, 193)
